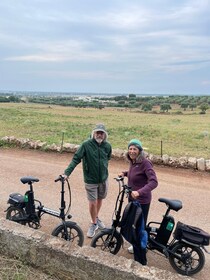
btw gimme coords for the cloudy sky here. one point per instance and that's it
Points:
(105, 46)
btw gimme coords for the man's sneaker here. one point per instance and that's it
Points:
(130, 249)
(100, 224)
(92, 230)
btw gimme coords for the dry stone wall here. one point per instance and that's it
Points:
(56, 257)
(200, 164)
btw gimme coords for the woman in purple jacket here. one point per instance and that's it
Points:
(141, 178)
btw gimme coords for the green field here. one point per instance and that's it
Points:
(185, 134)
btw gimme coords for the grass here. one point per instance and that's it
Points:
(12, 269)
(186, 134)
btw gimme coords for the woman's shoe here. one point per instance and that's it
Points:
(130, 249)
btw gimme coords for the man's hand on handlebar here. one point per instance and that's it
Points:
(62, 178)
(65, 177)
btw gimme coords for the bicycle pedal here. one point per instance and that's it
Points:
(34, 225)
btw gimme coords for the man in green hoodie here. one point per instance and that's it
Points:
(95, 154)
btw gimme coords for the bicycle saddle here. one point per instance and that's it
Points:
(173, 204)
(29, 180)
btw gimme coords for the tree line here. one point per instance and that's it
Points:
(144, 103)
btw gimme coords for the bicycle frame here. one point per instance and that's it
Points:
(120, 198)
(162, 231)
(113, 239)
(59, 214)
(33, 213)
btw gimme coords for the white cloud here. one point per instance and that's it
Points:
(116, 40)
(55, 57)
(205, 83)
(82, 74)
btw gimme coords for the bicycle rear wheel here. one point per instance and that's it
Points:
(15, 214)
(191, 259)
(108, 240)
(71, 232)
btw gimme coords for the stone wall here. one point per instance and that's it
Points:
(55, 256)
(200, 164)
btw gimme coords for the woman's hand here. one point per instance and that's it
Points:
(134, 194)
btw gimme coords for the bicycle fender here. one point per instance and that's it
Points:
(66, 223)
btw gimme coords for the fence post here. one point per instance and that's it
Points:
(161, 148)
(62, 140)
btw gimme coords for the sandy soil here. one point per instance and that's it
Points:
(191, 187)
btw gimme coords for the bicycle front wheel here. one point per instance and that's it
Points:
(70, 232)
(108, 240)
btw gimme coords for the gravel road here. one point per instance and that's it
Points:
(191, 187)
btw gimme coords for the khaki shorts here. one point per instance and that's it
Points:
(96, 191)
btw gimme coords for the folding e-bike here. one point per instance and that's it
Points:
(26, 210)
(184, 251)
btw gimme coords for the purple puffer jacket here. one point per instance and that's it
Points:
(142, 178)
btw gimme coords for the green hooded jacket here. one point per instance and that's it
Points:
(94, 158)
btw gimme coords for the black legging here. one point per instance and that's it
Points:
(145, 211)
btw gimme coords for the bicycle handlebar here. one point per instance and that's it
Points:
(60, 178)
(126, 188)
(119, 178)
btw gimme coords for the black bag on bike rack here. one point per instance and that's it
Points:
(191, 234)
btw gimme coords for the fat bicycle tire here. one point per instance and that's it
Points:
(107, 240)
(193, 258)
(14, 213)
(74, 233)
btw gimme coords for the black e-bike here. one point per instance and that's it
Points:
(184, 251)
(26, 210)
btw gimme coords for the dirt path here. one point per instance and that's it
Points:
(193, 188)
